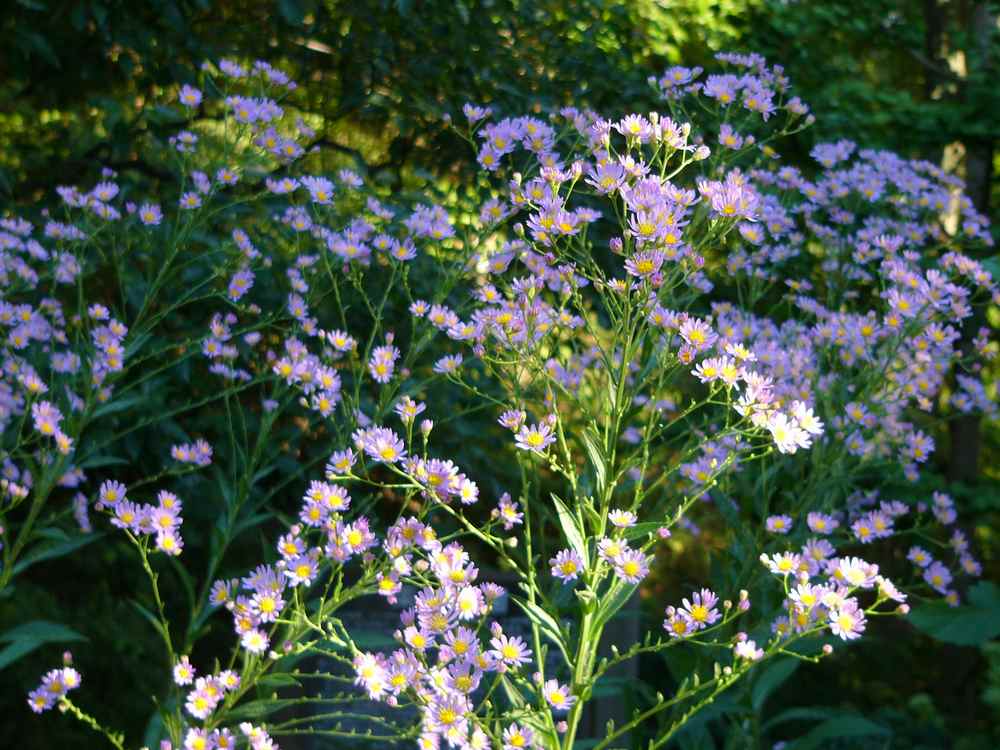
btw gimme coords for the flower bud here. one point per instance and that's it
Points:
(827, 649)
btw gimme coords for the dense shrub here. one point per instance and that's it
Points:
(649, 323)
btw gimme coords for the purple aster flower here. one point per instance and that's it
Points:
(631, 566)
(189, 96)
(678, 623)
(848, 622)
(516, 737)
(448, 364)
(340, 463)
(566, 565)
(822, 523)
(558, 696)
(938, 576)
(150, 214)
(644, 264)
(536, 438)
(778, 524)
(511, 651)
(382, 444)
(701, 609)
(383, 363)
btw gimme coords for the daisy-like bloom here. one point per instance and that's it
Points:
(708, 370)
(447, 714)
(190, 200)
(697, 334)
(189, 96)
(644, 264)
(508, 512)
(848, 621)
(631, 566)
(110, 494)
(778, 524)
(855, 572)
(702, 610)
(384, 445)
(513, 419)
(301, 570)
(566, 565)
(54, 686)
(320, 189)
(535, 438)
(806, 419)
(788, 436)
(340, 463)
(887, 589)
(340, 341)
(938, 576)
(46, 417)
(919, 557)
(518, 738)
(169, 541)
(822, 523)
(183, 671)
(383, 363)
(255, 641)
(150, 214)
(558, 696)
(240, 284)
(622, 519)
(807, 596)
(266, 605)
(222, 592)
(448, 364)
(510, 651)
(747, 649)
(782, 564)
(970, 565)
(473, 113)
(678, 623)
(408, 409)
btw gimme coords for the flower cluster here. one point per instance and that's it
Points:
(56, 683)
(162, 520)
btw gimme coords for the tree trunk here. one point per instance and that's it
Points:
(966, 438)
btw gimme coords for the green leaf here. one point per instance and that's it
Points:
(258, 709)
(513, 694)
(58, 548)
(545, 622)
(28, 636)
(372, 640)
(595, 453)
(644, 529)
(968, 625)
(149, 616)
(808, 713)
(770, 679)
(615, 598)
(571, 528)
(112, 407)
(839, 728)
